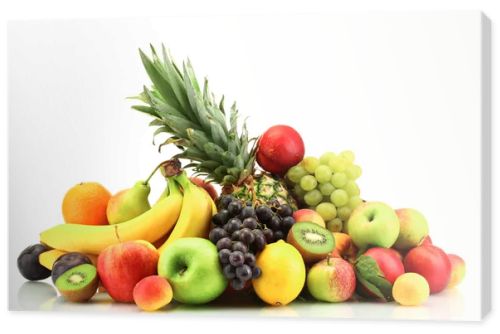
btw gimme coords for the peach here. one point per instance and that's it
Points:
(344, 247)
(432, 263)
(152, 293)
(457, 270)
(122, 266)
(308, 215)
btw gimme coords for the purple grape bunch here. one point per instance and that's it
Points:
(240, 231)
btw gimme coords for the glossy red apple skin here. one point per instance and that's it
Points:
(432, 263)
(280, 148)
(389, 262)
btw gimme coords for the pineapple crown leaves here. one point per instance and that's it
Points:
(199, 126)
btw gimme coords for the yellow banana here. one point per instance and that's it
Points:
(196, 213)
(211, 201)
(48, 258)
(149, 226)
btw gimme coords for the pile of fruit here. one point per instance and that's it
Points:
(296, 226)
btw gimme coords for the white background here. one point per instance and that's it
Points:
(211, 73)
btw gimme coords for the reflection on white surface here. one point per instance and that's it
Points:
(448, 305)
(33, 296)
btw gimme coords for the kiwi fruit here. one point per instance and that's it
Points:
(75, 277)
(312, 241)
(78, 284)
(68, 261)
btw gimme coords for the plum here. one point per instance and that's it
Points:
(28, 264)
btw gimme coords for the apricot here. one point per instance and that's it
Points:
(152, 293)
(410, 289)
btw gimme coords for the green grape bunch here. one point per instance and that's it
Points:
(327, 185)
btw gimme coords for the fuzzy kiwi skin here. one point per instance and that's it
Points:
(82, 295)
(308, 256)
(66, 262)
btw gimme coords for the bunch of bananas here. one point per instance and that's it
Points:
(185, 210)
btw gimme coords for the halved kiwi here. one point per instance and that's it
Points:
(312, 241)
(78, 284)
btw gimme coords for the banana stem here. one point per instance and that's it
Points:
(183, 180)
(173, 188)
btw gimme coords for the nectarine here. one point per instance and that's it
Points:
(432, 263)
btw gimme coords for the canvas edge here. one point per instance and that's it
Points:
(486, 161)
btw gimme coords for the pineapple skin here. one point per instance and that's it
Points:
(262, 189)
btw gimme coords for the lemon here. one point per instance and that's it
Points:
(283, 274)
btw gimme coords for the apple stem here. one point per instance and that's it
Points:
(328, 259)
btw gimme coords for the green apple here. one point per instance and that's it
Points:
(373, 224)
(191, 266)
(413, 228)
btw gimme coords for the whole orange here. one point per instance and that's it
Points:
(86, 204)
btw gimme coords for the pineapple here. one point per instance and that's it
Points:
(205, 132)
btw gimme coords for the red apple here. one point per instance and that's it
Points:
(332, 280)
(432, 263)
(209, 188)
(389, 262)
(280, 148)
(122, 266)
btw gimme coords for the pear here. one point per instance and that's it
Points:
(129, 203)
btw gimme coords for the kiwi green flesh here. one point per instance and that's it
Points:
(79, 283)
(77, 277)
(313, 238)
